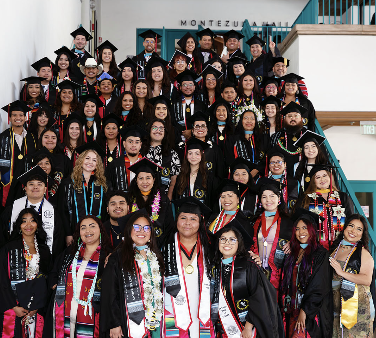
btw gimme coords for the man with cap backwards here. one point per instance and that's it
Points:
(187, 104)
(81, 37)
(279, 69)
(118, 174)
(232, 39)
(292, 130)
(89, 83)
(35, 182)
(205, 51)
(187, 285)
(15, 143)
(150, 40)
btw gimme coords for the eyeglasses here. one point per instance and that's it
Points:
(203, 126)
(138, 228)
(270, 87)
(276, 162)
(211, 79)
(180, 62)
(186, 85)
(231, 240)
(149, 42)
(157, 128)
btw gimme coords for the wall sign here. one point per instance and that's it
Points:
(223, 23)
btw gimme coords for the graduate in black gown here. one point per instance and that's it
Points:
(205, 51)
(91, 105)
(157, 76)
(107, 94)
(106, 57)
(81, 37)
(243, 300)
(90, 69)
(128, 76)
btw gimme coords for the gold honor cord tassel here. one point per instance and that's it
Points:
(349, 311)
(189, 269)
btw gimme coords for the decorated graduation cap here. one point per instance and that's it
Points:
(306, 215)
(148, 34)
(92, 98)
(265, 183)
(128, 62)
(309, 136)
(73, 117)
(106, 76)
(293, 107)
(269, 80)
(35, 173)
(209, 69)
(32, 294)
(198, 116)
(255, 40)
(231, 185)
(271, 100)
(187, 75)
(291, 78)
(134, 131)
(94, 145)
(16, 106)
(234, 223)
(106, 45)
(178, 53)
(281, 59)
(206, 32)
(43, 62)
(191, 205)
(160, 99)
(145, 165)
(33, 80)
(66, 51)
(183, 41)
(232, 34)
(82, 31)
(112, 118)
(195, 143)
(68, 84)
(155, 61)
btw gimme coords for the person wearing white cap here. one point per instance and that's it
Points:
(91, 69)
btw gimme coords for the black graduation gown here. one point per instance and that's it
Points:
(89, 88)
(116, 175)
(216, 136)
(248, 203)
(201, 57)
(140, 60)
(113, 235)
(8, 299)
(293, 190)
(76, 63)
(310, 115)
(251, 292)
(110, 106)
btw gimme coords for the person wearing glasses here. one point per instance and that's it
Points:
(243, 300)
(132, 282)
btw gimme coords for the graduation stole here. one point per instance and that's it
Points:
(179, 114)
(95, 84)
(219, 222)
(126, 174)
(7, 161)
(91, 134)
(176, 289)
(198, 193)
(241, 149)
(80, 200)
(284, 147)
(283, 180)
(349, 290)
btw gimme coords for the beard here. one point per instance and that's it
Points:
(293, 129)
(132, 154)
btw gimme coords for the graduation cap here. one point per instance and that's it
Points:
(231, 185)
(285, 61)
(123, 221)
(255, 40)
(271, 100)
(268, 80)
(265, 183)
(195, 143)
(192, 205)
(307, 215)
(94, 145)
(232, 34)
(73, 117)
(220, 102)
(112, 118)
(241, 163)
(128, 62)
(277, 151)
(43, 62)
(183, 41)
(228, 84)
(68, 84)
(209, 69)
(106, 76)
(33, 294)
(318, 167)
(33, 80)
(206, 32)
(237, 60)
(160, 99)
(181, 54)
(82, 31)
(247, 239)
(35, 173)
(155, 61)
(309, 136)
(211, 61)
(40, 155)
(106, 45)
(16, 106)
(187, 75)
(149, 34)
(66, 51)
(293, 107)
(198, 116)
(145, 165)
(134, 131)
(291, 78)
(92, 98)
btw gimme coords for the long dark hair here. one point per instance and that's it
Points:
(126, 247)
(229, 127)
(39, 99)
(365, 238)
(165, 81)
(166, 146)
(57, 69)
(282, 207)
(148, 106)
(113, 71)
(256, 89)
(265, 121)
(306, 262)
(241, 252)
(121, 80)
(195, 54)
(74, 105)
(135, 114)
(33, 126)
(57, 149)
(40, 157)
(80, 140)
(183, 178)
(105, 241)
(217, 88)
(97, 117)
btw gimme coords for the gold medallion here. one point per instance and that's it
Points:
(110, 159)
(221, 138)
(188, 110)
(189, 269)
(20, 156)
(89, 133)
(307, 179)
(299, 150)
(294, 139)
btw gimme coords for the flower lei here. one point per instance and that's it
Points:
(154, 207)
(31, 272)
(240, 110)
(86, 303)
(153, 299)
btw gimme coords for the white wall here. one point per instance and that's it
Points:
(353, 151)
(31, 30)
(118, 19)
